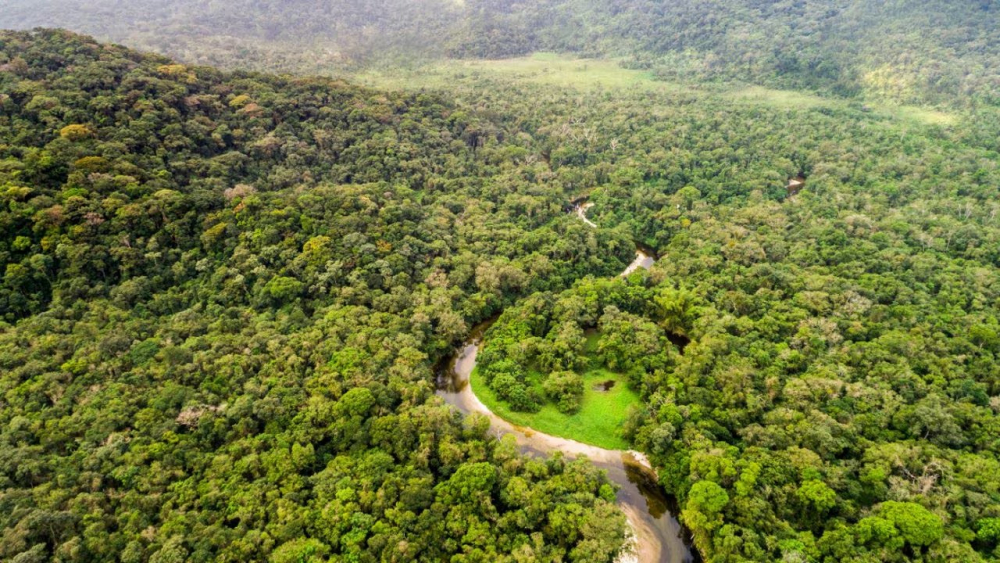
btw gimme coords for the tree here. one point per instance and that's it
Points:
(703, 509)
(300, 551)
(988, 531)
(565, 388)
(817, 495)
(283, 288)
(75, 132)
(470, 482)
(917, 525)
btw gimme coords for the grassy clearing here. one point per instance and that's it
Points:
(790, 99)
(585, 75)
(776, 98)
(598, 422)
(924, 115)
(548, 69)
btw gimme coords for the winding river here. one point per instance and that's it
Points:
(657, 535)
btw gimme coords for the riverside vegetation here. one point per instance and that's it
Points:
(224, 294)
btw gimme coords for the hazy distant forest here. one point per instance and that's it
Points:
(224, 293)
(912, 51)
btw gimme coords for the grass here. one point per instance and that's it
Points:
(598, 422)
(790, 99)
(585, 75)
(925, 115)
(548, 69)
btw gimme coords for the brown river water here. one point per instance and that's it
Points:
(657, 535)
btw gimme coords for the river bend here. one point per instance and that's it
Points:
(657, 535)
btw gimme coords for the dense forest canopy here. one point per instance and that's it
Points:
(224, 294)
(913, 51)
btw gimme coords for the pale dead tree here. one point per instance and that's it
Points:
(927, 478)
(190, 416)
(967, 211)
(567, 130)
(614, 145)
(993, 213)
(239, 190)
(855, 303)
(793, 557)
(575, 131)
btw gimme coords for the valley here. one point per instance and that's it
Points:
(499, 281)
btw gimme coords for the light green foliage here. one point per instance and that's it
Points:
(989, 530)
(917, 525)
(300, 551)
(283, 288)
(817, 495)
(356, 402)
(878, 531)
(707, 497)
(703, 510)
(598, 421)
(470, 481)
(677, 309)
(748, 479)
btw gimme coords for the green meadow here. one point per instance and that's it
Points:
(588, 75)
(598, 422)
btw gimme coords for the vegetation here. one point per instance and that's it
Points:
(541, 68)
(534, 352)
(597, 420)
(223, 295)
(935, 52)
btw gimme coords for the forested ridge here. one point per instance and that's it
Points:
(910, 51)
(224, 295)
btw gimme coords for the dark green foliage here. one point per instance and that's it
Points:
(223, 295)
(547, 332)
(222, 299)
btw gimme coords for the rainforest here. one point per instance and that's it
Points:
(301, 282)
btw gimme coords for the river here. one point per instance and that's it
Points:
(658, 536)
(644, 258)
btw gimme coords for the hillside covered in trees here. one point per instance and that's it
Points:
(224, 296)
(910, 51)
